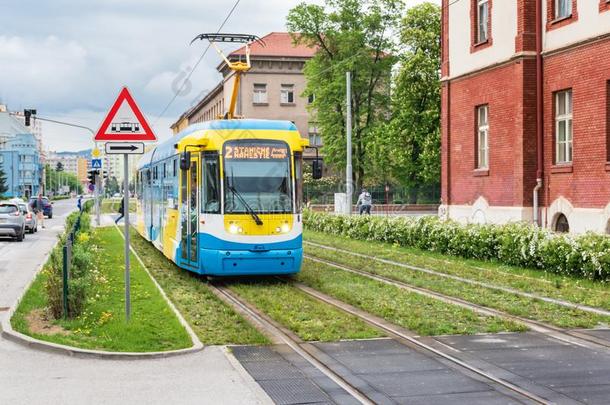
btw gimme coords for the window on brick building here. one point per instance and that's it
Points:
(483, 137)
(563, 8)
(561, 224)
(287, 94)
(563, 127)
(260, 93)
(482, 20)
(314, 136)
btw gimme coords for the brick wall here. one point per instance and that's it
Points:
(509, 90)
(586, 183)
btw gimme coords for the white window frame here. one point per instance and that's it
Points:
(568, 9)
(483, 137)
(564, 152)
(482, 26)
(287, 93)
(259, 93)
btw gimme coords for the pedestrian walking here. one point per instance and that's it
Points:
(38, 208)
(365, 201)
(121, 211)
(79, 203)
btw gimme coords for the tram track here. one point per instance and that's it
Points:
(567, 336)
(563, 303)
(280, 335)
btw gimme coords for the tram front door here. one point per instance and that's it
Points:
(190, 214)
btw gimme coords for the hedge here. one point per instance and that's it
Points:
(517, 244)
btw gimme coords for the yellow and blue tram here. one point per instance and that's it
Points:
(223, 198)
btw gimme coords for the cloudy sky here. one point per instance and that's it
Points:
(69, 58)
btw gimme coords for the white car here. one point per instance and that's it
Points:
(12, 221)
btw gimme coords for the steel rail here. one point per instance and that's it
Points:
(567, 336)
(563, 303)
(293, 343)
(393, 330)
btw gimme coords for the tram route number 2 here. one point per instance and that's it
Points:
(256, 152)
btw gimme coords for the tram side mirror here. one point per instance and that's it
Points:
(185, 160)
(316, 169)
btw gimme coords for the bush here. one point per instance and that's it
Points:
(517, 244)
(80, 266)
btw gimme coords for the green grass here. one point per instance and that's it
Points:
(506, 302)
(153, 325)
(111, 206)
(423, 315)
(570, 289)
(213, 321)
(310, 319)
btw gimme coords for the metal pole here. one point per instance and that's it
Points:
(348, 168)
(97, 199)
(65, 279)
(126, 220)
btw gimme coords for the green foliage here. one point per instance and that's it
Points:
(80, 267)
(55, 178)
(410, 140)
(516, 244)
(112, 186)
(3, 185)
(355, 36)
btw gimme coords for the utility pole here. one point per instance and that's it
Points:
(126, 221)
(348, 168)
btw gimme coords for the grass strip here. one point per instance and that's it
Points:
(102, 326)
(423, 315)
(309, 318)
(111, 206)
(510, 303)
(214, 322)
(572, 289)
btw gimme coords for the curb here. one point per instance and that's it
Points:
(10, 334)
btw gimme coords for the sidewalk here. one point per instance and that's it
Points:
(29, 376)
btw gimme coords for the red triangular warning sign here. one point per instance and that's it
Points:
(125, 122)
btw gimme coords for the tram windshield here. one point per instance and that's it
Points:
(257, 177)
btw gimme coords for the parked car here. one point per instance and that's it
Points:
(31, 222)
(12, 221)
(47, 206)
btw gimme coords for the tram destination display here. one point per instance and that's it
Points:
(255, 151)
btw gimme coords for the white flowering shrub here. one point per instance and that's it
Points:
(517, 244)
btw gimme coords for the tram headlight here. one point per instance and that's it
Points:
(285, 227)
(234, 229)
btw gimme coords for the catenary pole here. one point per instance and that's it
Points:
(348, 168)
(126, 220)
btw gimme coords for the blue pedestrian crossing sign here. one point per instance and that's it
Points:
(96, 163)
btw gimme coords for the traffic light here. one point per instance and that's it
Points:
(27, 114)
(91, 176)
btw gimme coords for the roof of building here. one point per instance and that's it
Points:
(277, 44)
(10, 126)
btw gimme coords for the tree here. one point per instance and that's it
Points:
(412, 136)
(3, 185)
(355, 36)
(112, 186)
(59, 167)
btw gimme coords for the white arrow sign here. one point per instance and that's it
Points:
(120, 148)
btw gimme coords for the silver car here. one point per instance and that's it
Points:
(31, 222)
(12, 221)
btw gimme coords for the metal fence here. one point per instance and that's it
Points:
(316, 194)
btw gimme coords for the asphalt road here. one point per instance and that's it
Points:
(30, 376)
(20, 260)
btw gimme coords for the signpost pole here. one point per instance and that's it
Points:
(126, 219)
(97, 199)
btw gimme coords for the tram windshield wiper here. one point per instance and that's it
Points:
(252, 213)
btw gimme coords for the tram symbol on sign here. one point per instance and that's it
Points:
(125, 127)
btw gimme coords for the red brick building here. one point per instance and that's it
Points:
(526, 112)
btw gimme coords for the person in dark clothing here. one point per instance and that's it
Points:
(38, 208)
(121, 211)
(79, 203)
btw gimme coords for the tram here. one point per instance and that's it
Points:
(223, 197)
